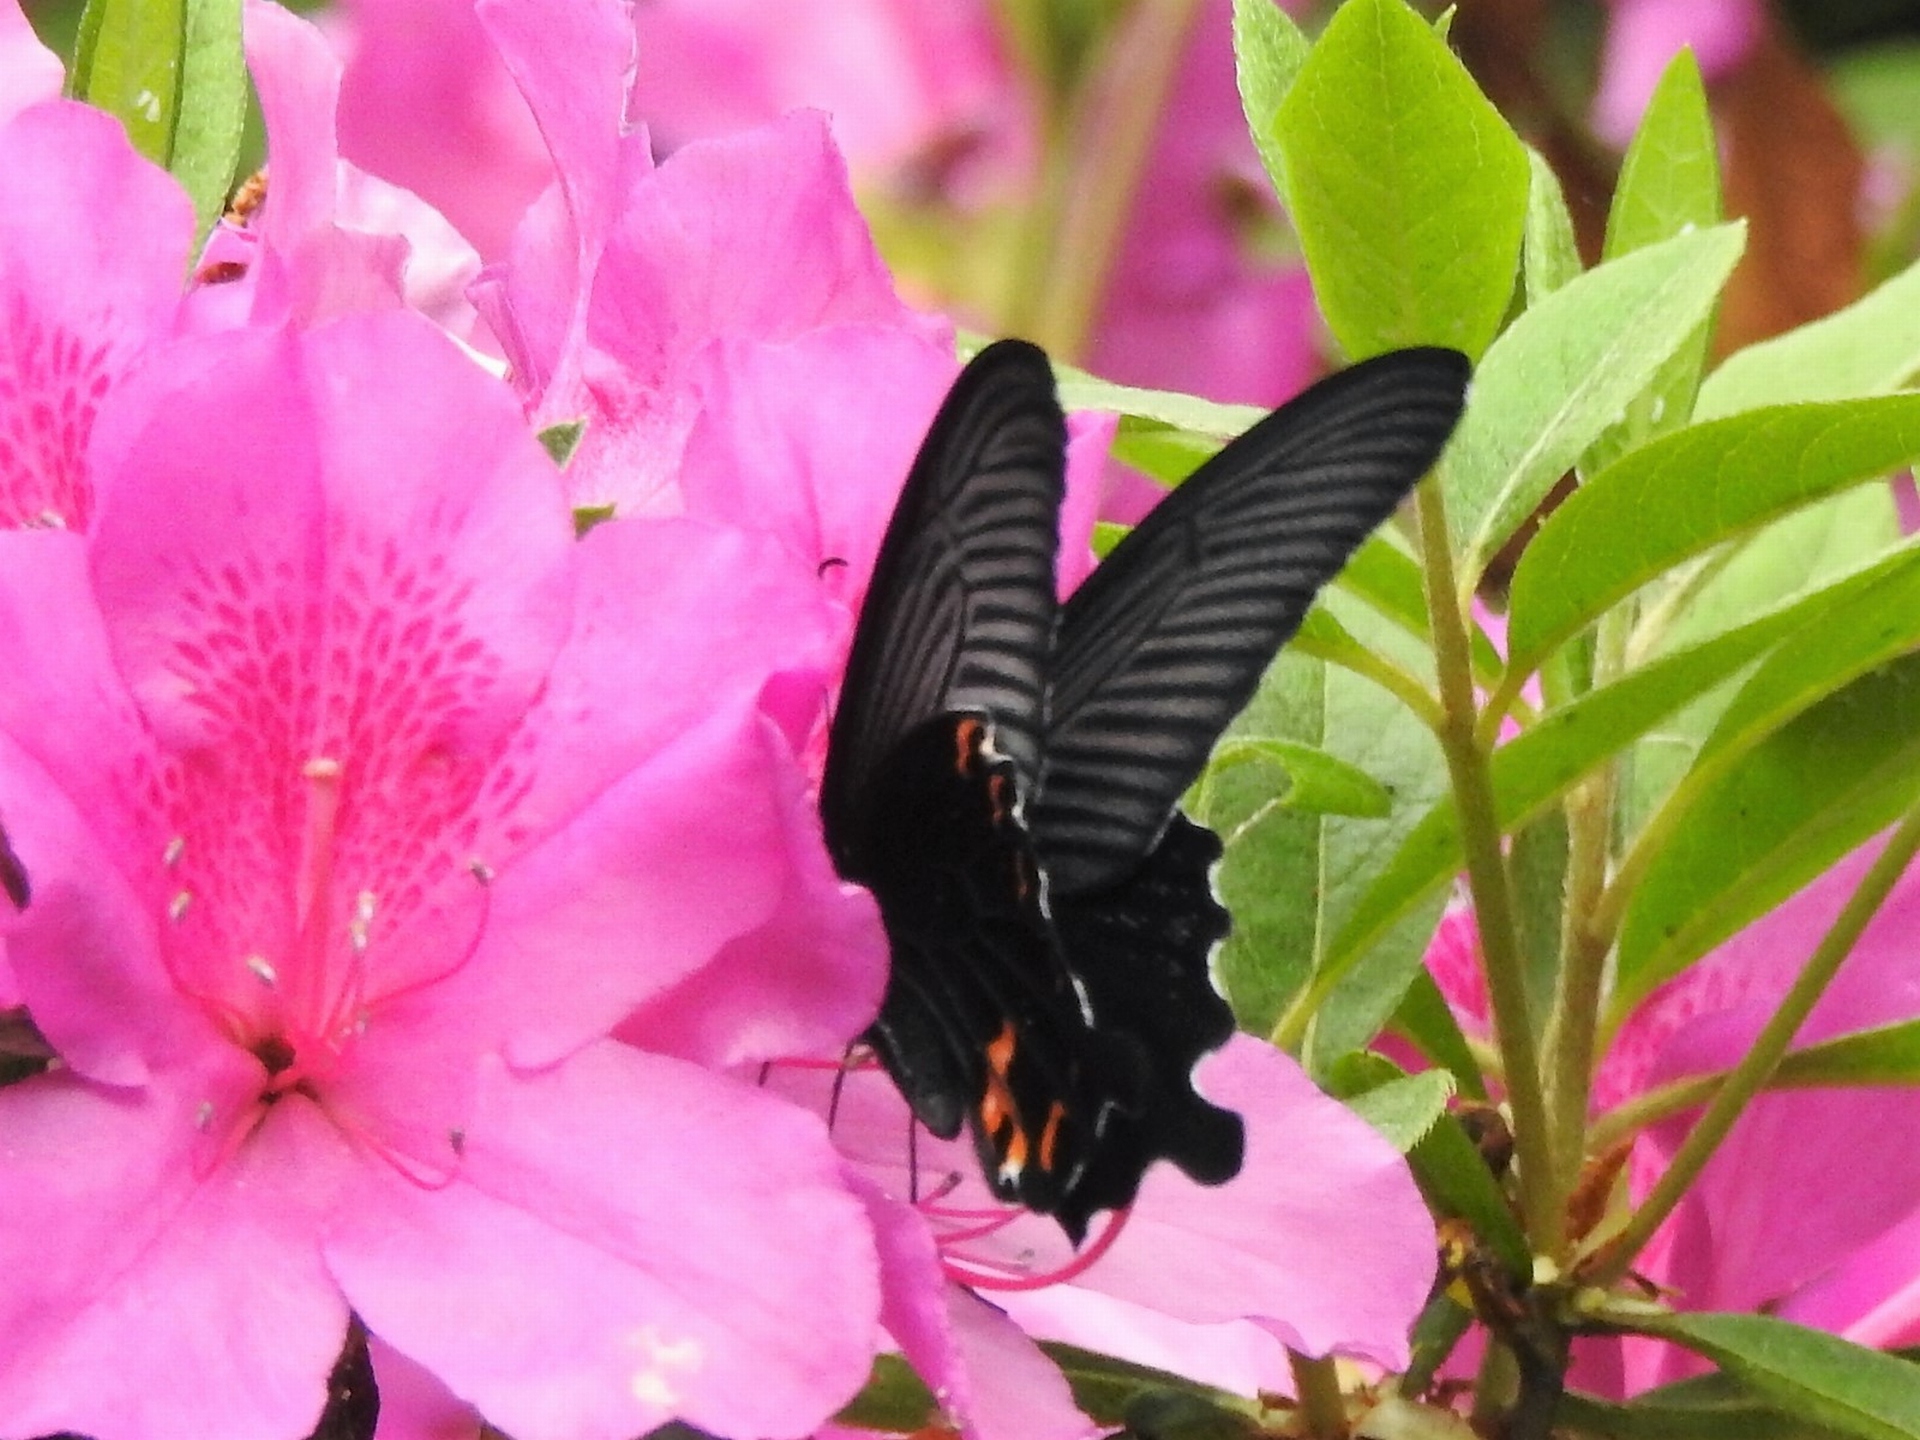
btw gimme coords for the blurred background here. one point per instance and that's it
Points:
(1079, 172)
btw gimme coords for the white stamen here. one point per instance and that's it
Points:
(203, 1117)
(263, 971)
(177, 907)
(480, 871)
(357, 928)
(176, 847)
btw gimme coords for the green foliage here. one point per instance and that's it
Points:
(1406, 187)
(174, 74)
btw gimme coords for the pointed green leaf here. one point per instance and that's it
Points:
(1541, 764)
(1566, 370)
(1407, 189)
(213, 109)
(1449, 1169)
(1405, 1109)
(127, 61)
(1552, 253)
(1670, 177)
(1682, 494)
(1794, 804)
(1870, 348)
(1268, 51)
(1806, 1373)
(1425, 1021)
(1316, 781)
(1669, 185)
(1884, 1055)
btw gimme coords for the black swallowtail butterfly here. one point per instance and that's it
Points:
(1003, 770)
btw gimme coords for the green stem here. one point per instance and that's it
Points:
(1756, 1068)
(1383, 672)
(1316, 1388)
(1573, 1023)
(1111, 134)
(1467, 766)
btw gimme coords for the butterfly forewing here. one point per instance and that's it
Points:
(1167, 639)
(960, 612)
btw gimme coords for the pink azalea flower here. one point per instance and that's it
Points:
(754, 237)
(1189, 304)
(88, 288)
(360, 806)
(1787, 1215)
(1321, 1245)
(29, 71)
(329, 239)
(426, 104)
(1643, 35)
(917, 92)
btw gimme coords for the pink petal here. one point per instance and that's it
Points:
(1089, 436)
(812, 440)
(806, 980)
(908, 85)
(29, 71)
(620, 1250)
(1322, 1237)
(674, 620)
(312, 269)
(804, 260)
(150, 1296)
(426, 104)
(413, 555)
(86, 288)
(1190, 304)
(984, 1372)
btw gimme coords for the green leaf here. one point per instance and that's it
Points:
(1541, 764)
(1081, 391)
(1290, 877)
(1387, 578)
(1407, 189)
(127, 61)
(1318, 782)
(1427, 1022)
(174, 74)
(1670, 178)
(1552, 253)
(213, 109)
(1685, 493)
(1110, 1389)
(1795, 803)
(1449, 1169)
(1166, 453)
(1884, 1055)
(1806, 1373)
(1537, 861)
(1869, 348)
(1405, 1110)
(1736, 1415)
(1869, 624)
(894, 1399)
(1268, 51)
(1669, 185)
(1566, 370)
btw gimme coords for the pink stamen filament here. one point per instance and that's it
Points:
(960, 1271)
(313, 891)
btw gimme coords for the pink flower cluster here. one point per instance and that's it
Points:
(424, 898)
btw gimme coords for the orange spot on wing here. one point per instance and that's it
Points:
(1050, 1137)
(966, 743)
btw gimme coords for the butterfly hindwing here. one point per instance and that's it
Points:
(960, 612)
(1165, 642)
